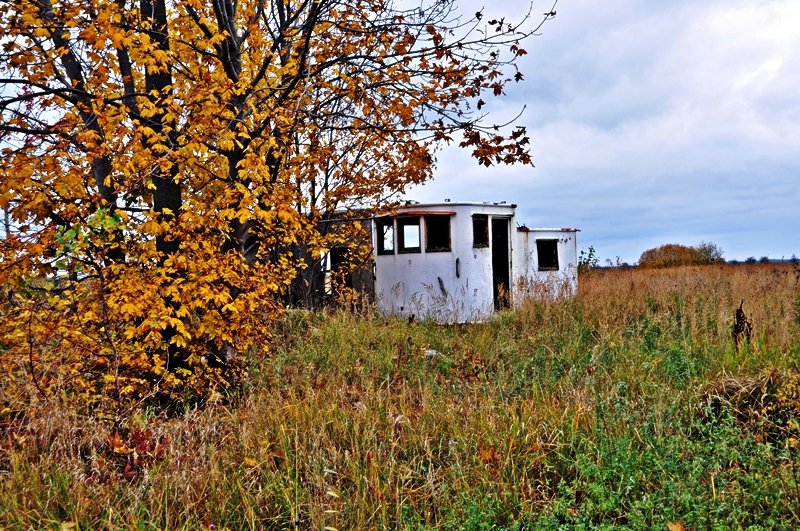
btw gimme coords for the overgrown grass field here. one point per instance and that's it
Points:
(627, 406)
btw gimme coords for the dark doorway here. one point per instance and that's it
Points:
(339, 272)
(500, 263)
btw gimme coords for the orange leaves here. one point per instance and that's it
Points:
(497, 149)
(673, 254)
(516, 50)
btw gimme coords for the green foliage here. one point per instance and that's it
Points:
(699, 475)
(796, 308)
(588, 259)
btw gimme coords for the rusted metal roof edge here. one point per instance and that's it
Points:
(422, 213)
(524, 228)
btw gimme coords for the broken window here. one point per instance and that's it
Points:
(480, 230)
(547, 255)
(408, 235)
(437, 233)
(385, 236)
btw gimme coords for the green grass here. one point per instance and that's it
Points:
(625, 407)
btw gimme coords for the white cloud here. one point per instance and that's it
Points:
(653, 121)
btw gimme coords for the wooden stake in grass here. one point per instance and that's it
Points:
(742, 326)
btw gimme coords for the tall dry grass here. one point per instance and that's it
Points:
(582, 412)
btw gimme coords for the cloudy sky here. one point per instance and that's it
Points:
(653, 122)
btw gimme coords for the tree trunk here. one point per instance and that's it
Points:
(167, 199)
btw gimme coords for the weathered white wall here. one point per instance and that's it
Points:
(409, 283)
(426, 284)
(529, 281)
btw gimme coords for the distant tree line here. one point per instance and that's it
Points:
(794, 260)
(673, 254)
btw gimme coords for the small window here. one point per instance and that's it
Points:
(408, 235)
(480, 230)
(385, 236)
(547, 255)
(437, 233)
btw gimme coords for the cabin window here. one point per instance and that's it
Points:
(547, 255)
(437, 233)
(385, 236)
(480, 230)
(408, 235)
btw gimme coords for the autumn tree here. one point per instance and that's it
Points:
(673, 254)
(168, 166)
(710, 253)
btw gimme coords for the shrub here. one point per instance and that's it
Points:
(673, 254)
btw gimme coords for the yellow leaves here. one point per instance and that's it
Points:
(229, 308)
(158, 61)
(120, 39)
(178, 325)
(89, 34)
(151, 226)
(226, 143)
(130, 309)
(258, 149)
